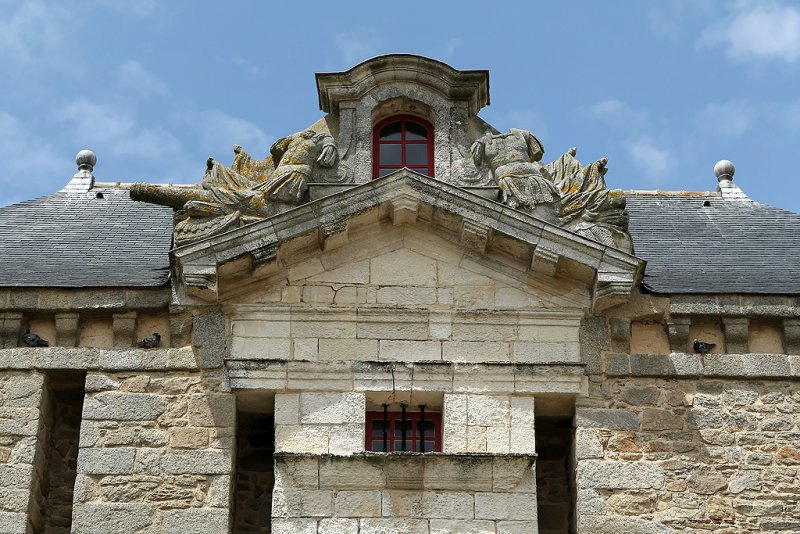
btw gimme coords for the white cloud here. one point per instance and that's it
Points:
(617, 113)
(358, 44)
(758, 31)
(134, 77)
(32, 32)
(30, 163)
(220, 131)
(256, 71)
(731, 118)
(651, 159)
(451, 46)
(101, 128)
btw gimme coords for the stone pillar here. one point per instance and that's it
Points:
(67, 329)
(736, 334)
(124, 328)
(678, 331)
(791, 336)
(10, 329)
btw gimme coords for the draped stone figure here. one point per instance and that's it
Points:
(248, 191)
(562, 192)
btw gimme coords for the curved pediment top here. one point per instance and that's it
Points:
(353, 84)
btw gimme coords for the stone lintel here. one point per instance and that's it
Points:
(684, 365)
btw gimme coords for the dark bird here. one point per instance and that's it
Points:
(150, 342)
(702, 347)
(33, 340)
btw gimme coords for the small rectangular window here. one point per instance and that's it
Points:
(399, 429)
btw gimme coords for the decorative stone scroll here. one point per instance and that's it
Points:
(250, 190)
(562, 192)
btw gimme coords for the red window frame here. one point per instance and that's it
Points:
(395, 432)
(377, 167)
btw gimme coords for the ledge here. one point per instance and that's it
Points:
(86, 358)
(55, 299)
(748, 366)
(438, 376)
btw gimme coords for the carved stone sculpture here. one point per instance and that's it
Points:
(562, 192)
(248, 191)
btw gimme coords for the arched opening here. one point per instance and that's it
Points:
(402, 141)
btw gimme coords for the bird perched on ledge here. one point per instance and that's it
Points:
(150, 342)
(33, 340)
(701, 347)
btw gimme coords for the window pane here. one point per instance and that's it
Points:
(390, 155)
(398, 445)
(416, 154)
(398, 428)
(377, 428)
(390, 132)
(384, 172)
(377, 445)
(425, 428)
(415, 132)
(428, 446)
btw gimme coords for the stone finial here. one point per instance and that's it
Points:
(83, 180)
(724, 170)
(86, 160)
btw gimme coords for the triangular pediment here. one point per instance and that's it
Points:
(521, 247)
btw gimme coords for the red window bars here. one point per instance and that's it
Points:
(402, 141)
(404, 430)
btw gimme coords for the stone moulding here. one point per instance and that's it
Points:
(197, 264)
(681, 365)
(353, 84)
(439, 376)
(131, 359)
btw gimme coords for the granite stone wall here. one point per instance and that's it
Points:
(156, 454)
(688, 455)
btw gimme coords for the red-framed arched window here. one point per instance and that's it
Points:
(402, 141)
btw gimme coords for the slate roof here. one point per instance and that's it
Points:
(727, 246)
(74, 239)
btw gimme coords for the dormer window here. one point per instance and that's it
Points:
(402, 141)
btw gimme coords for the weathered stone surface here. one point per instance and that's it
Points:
(611, 419)
(208, 331)
(209, 462)
(597, 474)
(617, 525)
(111, 518)
(200, 520)
(106, 461)
(124, 406)
(706, 481)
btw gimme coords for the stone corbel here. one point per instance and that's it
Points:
(124, 328)
(545, 261)
(736, 334)
(678, 332)
(611, 288)
(404, 209)
(475, 236)
(10, 329)
(200, 281)
(67, 329)
(791, 333)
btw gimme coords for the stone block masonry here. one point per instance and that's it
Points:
(682, 455)
(404, 493)
(156, 453)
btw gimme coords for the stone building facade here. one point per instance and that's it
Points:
(399, 267)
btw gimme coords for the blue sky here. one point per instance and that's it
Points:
(663, 89)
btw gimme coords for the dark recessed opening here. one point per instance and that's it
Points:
(99, 195)
(706, 203)
(554, 490)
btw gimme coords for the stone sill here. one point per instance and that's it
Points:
(86, 358)
(749, 366)
(412, 455)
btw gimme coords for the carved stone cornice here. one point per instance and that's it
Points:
(400, 196)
